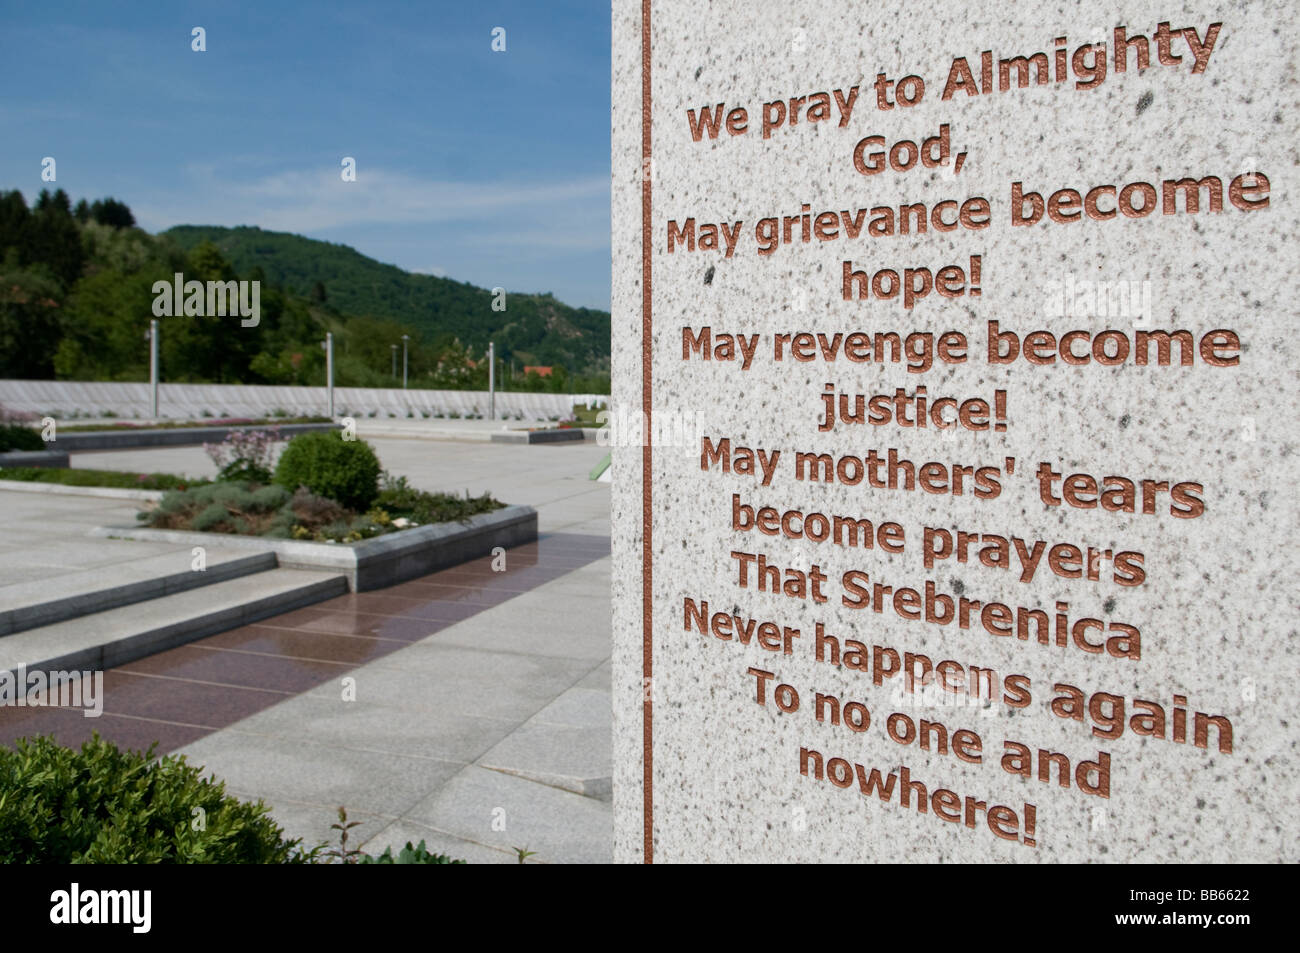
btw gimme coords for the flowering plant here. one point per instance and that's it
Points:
(244, 455)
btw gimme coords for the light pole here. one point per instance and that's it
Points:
(329, 370)
(153, 366)
(394, 347)
(404, 337)
(492, 381)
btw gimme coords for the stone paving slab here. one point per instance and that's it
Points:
(130, 632)
(571, 757)
(462, 698)
(372, 726)
(583, 706)
(440, 681)
(502, 811)
(309, 773)
(570, 627)
(43, 536)
(311, 822)
(27, 604)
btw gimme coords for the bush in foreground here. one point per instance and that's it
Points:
(18, 437)
(102, 805)
(346, 471)
(410, 854)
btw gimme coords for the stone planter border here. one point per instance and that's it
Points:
(34, 458)
(128, 437)
(561, 435)
(372, 563)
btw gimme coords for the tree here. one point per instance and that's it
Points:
(112, 212)
(209, 347)
(13, 220)
(50, 237)
(29, 323)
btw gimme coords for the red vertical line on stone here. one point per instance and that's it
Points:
(647, 555)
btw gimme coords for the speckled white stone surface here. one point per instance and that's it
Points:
(1217, 612)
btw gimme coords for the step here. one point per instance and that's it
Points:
(121, 635)
(29, 605)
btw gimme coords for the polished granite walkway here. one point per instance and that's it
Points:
(180, 695)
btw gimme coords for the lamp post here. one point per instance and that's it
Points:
(329, 370)
(153, 366)
(404, 338)
(492, 381)
(394, 347)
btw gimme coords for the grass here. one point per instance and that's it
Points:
(111, 478)
(586, 416)
(186, 424)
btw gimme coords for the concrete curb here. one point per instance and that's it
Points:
(34, 458)
(110, 492)
(565, 435)
(372, 563)
(128, 438)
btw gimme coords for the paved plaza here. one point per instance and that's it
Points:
(469, 709)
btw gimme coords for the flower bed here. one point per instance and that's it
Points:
(192, 424)
(250, 509)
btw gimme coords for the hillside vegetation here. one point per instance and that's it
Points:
(76, 299)
(534, 328)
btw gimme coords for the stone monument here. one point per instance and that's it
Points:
(954, 416)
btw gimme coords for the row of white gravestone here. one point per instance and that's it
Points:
(74, 399)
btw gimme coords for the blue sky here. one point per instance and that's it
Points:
(486, 167)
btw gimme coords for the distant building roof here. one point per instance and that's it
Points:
(541, 371)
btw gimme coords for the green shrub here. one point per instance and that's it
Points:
(211, 515)
(399, 498)
(251, 510)
(18, 437)
(101, 805)
(269, 497)
(346, 471)
(409, 854)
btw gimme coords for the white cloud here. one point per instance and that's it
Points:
(316, 200)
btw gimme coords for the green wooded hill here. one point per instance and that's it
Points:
(534, 328)
(76, 299)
